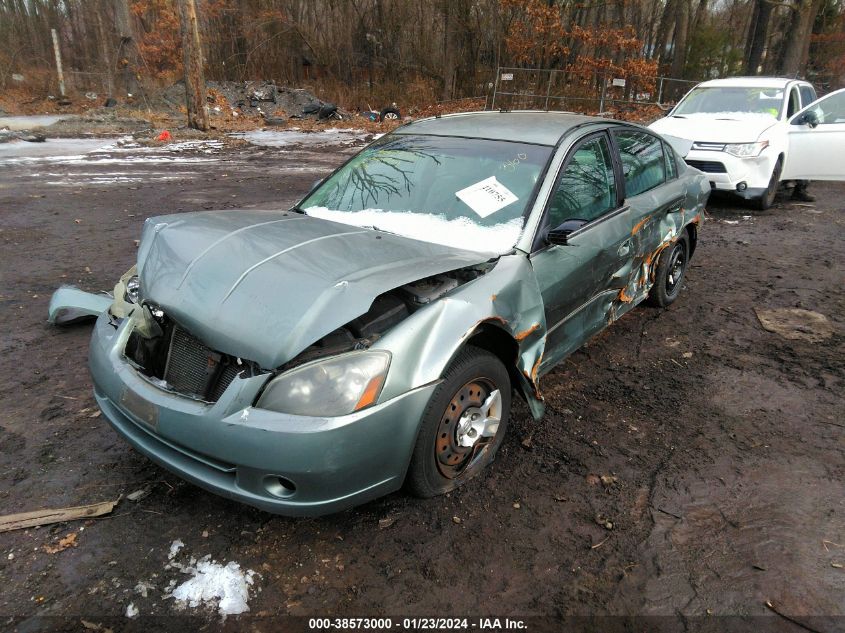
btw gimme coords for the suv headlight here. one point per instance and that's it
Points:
(327, 388)
(746, 150)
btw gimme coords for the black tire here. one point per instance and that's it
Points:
(669, 276)
(389, 113)
(767, 199)
(440, 461)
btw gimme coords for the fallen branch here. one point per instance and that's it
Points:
(46, 517)
(790, 619)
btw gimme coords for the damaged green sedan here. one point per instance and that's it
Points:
(310, 360)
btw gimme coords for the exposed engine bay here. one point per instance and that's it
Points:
(387, 310)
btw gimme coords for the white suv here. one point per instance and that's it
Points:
(736, 131)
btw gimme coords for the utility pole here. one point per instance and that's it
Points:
(194, 76)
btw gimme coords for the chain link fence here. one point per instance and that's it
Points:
(552, 89)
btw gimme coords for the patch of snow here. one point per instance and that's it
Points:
(460, 232)
(144, 588)
(224, 586)
(291, 136)
(131, 610)
(175, 546)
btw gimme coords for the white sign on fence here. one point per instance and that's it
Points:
(507, 76)
(617, 82)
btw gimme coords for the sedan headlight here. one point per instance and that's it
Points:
(746, 150)
(328, 388)
(133, 288)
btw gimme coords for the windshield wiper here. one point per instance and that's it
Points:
(678, 116)
(375, 228)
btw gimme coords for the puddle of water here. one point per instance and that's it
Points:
(29, 122)
(20, 151)
(74, 151)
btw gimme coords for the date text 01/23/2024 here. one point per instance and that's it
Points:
(417, 624)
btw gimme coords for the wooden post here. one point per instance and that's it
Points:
(58, 65)
(194, 75)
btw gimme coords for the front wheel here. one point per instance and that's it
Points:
(464, 424)
(767, 199)
(669, 275)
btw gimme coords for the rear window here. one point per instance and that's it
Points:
(671, 162)
(642, 161)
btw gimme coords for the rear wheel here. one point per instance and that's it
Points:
(464, 424)
(669, 276)
(767, 199)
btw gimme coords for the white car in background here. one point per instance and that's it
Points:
(740, 131)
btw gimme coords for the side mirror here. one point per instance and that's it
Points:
(807, 118)
(560, 234)
(316, 184)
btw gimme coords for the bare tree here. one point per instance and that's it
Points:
(194, 74)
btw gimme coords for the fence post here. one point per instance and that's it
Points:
(603, 90)
(660, 92)
(58, 63)
(496, 87)
(549, 87)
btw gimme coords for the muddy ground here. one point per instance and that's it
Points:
(721, 444)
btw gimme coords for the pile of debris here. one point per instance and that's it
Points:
(258, 99)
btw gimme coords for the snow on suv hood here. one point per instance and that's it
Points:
(264, 285)
(724, 127)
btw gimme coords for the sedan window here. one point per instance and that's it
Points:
(671, 162)
(587, 189)
(642, 161)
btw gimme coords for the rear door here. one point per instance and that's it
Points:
(652, 190)
(816, 141)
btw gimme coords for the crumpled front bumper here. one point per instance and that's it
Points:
(242, 452)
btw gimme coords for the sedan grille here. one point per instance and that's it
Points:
(195, 369)
(708, 166)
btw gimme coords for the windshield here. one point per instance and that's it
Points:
(466, 193)
(764, 101)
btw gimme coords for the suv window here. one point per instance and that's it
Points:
(830, 109)
(808, 95)
(794, 103)
(642, 161)
(587, 188)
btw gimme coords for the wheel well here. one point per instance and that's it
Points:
(692, 234)
(501, 344)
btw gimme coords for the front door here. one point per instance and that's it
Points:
(817, 140)
(578, 278)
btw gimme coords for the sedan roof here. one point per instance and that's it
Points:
(539, 128)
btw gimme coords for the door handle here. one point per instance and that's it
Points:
(676, 205)
(624, 248)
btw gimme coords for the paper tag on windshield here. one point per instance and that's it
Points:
(487, 196)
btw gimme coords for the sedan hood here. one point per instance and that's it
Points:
(730, 127)
(264, 285)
